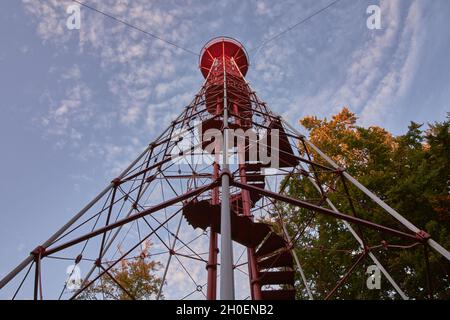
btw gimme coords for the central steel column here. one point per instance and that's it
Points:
(226, 244)
(213, 250)
(255, 287)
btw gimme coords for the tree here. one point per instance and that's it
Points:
(136, 277)
(410, 172)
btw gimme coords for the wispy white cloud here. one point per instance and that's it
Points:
(72, 73)
(401, 70)
(143, 75)
(131, 115)
(49, 17)
(149, 82)
(378, 72)
(369, 61)
(66, 113)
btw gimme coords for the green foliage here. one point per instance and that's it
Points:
(410, 172)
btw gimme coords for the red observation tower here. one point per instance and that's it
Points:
(230, 102)
(221, 221)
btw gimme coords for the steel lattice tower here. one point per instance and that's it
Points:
(200, 193)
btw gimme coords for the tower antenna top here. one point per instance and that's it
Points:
(220, 46)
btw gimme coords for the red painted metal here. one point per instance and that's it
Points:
(270, 262)
(255, 286)
(326, 211)
(130, 219)
(213, 247)
(224, 54)
(347, 274)
(214, 50)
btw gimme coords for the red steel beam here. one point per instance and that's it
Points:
(349, 272)
(121, 258)
(255, 287)
(211, 290)
(118, 283)
(310, 162)
(131, 218)
(325, 211)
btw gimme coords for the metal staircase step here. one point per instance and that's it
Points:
(254, 177)
(237, 203)
(253, 167)
(277, 277)
(259, 233)
(241, 230)
(273, 243)
(282, 259)
(202, 214)
(255, 196)
(287, 158)
(199, 214)
(285, 294)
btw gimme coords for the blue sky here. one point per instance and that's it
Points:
(78, 105)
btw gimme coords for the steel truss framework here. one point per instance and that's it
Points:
(180, 201)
